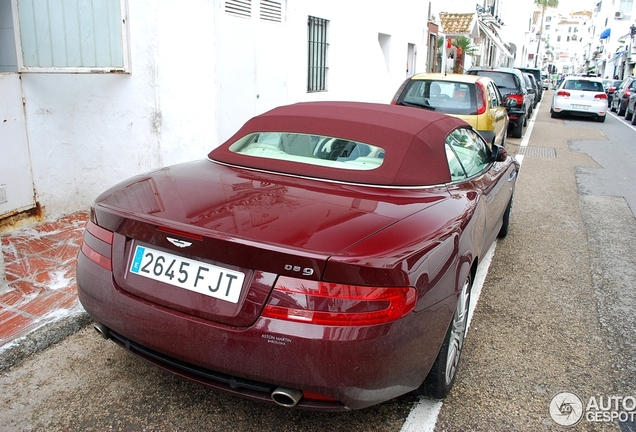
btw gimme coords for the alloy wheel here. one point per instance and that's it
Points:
(458, 331)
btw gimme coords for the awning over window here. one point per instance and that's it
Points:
(606, 33)
(617, 55)
(495, 38)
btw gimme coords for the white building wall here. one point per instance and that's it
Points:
(516, 30)
(197, 75)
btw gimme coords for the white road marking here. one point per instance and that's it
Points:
(423, 416)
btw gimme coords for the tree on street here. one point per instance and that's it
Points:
(543, 4)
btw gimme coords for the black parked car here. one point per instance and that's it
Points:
(512, 86)
(533, 90)
(622, 94)
(536, 73)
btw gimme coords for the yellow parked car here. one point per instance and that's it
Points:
(473, 98)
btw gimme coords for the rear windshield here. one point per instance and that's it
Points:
(534, 72)
(311, 149)
(502, 79)
(444, 96)
(584, 85)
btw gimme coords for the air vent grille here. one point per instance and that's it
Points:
(241, 8)
(271, 10)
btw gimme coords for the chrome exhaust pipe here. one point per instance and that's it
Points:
(287, 397)
(102, 330)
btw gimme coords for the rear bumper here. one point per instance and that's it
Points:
(566, 107)
(357, 366)
(516, 116)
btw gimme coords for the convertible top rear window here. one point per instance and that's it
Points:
(357, 142)
(311, 149)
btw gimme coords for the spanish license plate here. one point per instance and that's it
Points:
(200, 277)
(581, 107)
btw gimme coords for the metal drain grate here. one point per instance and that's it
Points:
(537, 151)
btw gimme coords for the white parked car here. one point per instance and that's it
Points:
(580, 96)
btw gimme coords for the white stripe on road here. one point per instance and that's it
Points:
(423, 416)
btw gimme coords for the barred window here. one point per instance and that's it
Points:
(317, 54)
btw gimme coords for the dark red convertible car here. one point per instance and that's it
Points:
(321, 258)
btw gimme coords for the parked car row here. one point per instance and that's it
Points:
(623, 93)
(610, 88)
(492, 100)
(474, 99)
(536, 74)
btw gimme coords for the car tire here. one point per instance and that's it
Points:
(628, 114)
(601, 119)
(441, 377)
(553, 114)
(503, 232)
(517, 131)
(634, 119)
(621, 109)
(612, 107)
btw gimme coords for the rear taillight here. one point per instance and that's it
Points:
(517, 97)
(97, 245)
(324, 303)
(600, 96)
(563, 93)
(627, 93)
(481, 98)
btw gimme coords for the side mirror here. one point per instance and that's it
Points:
(511, 103)
(499, 154)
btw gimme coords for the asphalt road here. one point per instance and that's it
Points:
(556, 314)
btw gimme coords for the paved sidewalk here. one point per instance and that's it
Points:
(38, 299)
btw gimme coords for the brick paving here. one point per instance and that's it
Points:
(40, 275)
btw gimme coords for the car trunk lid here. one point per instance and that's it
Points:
(231, 232)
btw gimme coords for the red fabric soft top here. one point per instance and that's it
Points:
(413, 139)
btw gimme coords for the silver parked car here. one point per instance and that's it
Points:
(532, 92)
(630, 110)
(622, 94)
(580, 96)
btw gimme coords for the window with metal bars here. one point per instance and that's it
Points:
(317, 54)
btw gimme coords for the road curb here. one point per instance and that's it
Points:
(49, 333)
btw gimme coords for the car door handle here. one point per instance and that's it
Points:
(512, 176)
